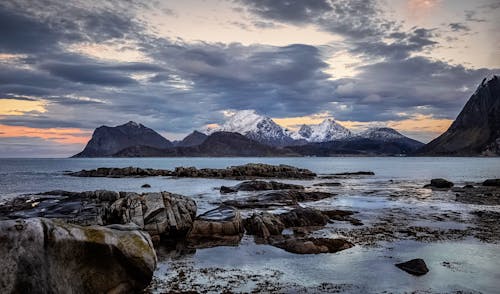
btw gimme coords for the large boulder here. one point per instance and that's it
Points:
(304, 217)
(49, 256)
(257, 185)
(264, 225)
(220, 226)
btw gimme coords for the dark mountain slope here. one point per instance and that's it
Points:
(106, 141)
(476, 130)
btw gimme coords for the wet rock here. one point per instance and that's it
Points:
(264, 225)
(146, 186)
(227, 190)
(327, 184)
(121, 172)
(415, 267)
(162, 213)
(492, 182)
(343, 215)
(217, 227)
(48, 256)
(347, 174)
(256, 185)
(485, 195)
(303, 217)
(313, 245)
(439, 184)
(278, 198)
(468, 186)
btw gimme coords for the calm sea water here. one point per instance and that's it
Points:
(372, 269)
(18, 176)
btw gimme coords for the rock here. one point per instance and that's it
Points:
(146, 186)
(165, 214)
(48, 256)
(247, 171)
(347, 174)
(227, 190)
(256, 185)
(343, 215)
(220, 226)
(492, 182)
(327, 184)
(468, 186)
(278, 198)
(264, 225)
(440, 184)
(483, 195)
(302, 217)
(121, 172)
(415, 267)
(313, 245)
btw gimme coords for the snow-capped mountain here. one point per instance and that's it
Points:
(383, 134)
(256, 127)
(328, 130)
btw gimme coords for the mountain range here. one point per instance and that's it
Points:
(247, 133)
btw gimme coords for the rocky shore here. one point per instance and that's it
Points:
(127, 230)
(241, 172)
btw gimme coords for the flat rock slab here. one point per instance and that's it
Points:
(278, 198)
(257, 185)
(49, 256)
(313, 245)
(415, 267)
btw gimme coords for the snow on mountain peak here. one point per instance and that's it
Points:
(255, 126)
(381, 133)
(327, 130)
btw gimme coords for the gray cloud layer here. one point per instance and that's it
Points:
(186, 85)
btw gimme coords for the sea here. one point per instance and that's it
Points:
(455, 265)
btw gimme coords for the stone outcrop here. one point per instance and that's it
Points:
(48, 256)
(257, 185)
(114, 172)
(492, 182)
(304, 217)
(220, 226)
(278, 198)
(264, 225)
(247, 171)
(160, 214)
(313, 245)
(439, 184)
(415, 267)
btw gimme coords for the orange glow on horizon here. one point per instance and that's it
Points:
(59, 135)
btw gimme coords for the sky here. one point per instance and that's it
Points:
(67, 67)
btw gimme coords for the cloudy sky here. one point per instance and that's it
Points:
(69, 66)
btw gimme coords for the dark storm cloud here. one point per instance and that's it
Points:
(353, 18)
(99, 74)
(403, 85)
